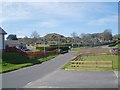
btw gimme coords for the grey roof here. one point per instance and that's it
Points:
(2, 31)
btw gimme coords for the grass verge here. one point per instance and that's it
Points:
(114, 58)
(14, 61)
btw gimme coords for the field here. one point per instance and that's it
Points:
(90, 54)
(95, 51)
(14, 61)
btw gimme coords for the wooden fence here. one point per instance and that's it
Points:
(92, 63)
(30, 54)
(79, 62)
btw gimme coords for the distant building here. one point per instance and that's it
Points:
(12, 43)
(2, 39)
(18, 44)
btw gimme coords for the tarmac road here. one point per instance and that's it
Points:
(20, 78)
(76, 79)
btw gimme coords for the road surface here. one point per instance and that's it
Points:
(76, 79)
(20, 78)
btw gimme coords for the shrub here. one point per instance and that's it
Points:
(50, 48)
(112, 45)
(46, 48)
(64, 48)
(37, 50)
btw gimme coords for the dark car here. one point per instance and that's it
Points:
(63, 52)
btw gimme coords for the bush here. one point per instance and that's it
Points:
(46, 48)
(113, 44)
(63, 48)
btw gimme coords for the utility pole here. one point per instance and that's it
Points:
(44, 46)
(58, 42)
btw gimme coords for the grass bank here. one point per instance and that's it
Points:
(14, 61)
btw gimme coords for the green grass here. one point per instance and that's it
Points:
(78, 48)
(117, 46)
(114, 58)
(14, 61)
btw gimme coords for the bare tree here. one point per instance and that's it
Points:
(35, 34)
(74, 35)
(106, 35)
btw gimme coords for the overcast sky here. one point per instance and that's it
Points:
(58, 17)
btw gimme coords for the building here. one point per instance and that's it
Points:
(2, 39)
(12, 43)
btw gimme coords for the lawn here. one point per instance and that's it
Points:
(75, 49)
(117, 46)
(14, 61)
(114, 58)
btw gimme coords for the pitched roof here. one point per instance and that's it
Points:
(2, 31)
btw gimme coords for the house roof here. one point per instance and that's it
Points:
(2, 31)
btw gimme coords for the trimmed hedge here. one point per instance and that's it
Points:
(46, 48)
(113, 44)
(98, 44)
(64, 48)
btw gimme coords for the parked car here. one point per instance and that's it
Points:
(25, 49)
(63, 52)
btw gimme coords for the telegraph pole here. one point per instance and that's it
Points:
(44, 46)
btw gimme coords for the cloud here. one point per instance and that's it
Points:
(48, 24)
(73, 11)
(13, 12)
(104, 20)
(45, 12)
(31, 10)
(55, 9)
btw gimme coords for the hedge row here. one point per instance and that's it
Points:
(99, 44)
(64, 48)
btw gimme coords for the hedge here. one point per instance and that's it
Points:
(53, 48)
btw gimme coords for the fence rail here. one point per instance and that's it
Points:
(79, 62)
(92, 63)
(105, 61)
(30, 54)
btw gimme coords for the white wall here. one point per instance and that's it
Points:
(1, 41)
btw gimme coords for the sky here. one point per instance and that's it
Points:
(22, 18)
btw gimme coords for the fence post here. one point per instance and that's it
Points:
(96, 63)
(112, 64)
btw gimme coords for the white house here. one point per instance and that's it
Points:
(2, 40)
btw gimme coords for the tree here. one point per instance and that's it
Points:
(75, 36)
(106, 35)
(35, 34)
(12, 37)
(26, 40)
(116, 38)
(86, 37)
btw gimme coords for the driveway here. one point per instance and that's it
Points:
(20, 78)
(76, 79)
